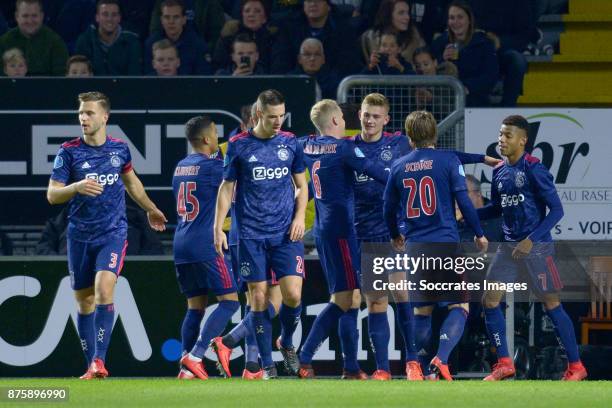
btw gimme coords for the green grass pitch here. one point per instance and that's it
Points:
(158, 392)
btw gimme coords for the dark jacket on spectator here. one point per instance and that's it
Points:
(123, 57)
(509, 19)
(142, 240)
(339, 43)
(207, 19)
(327, 79)
(477, 65)
(192, 50)
(3, 24)
(6, 245)
(264, 38)
(385, 69)
(229, 70)
(45, 52)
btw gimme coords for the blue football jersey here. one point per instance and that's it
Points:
(265, 193)
(95, 219)
(423, 183)
(522, 191)
(368, 192)
(332, 163)
(195, 185)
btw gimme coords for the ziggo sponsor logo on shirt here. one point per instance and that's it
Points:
(510, 200)
(263, 173)
(103, 179)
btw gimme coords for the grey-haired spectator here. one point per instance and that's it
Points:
(166, 60)
(393, 17)
(79, 66)
(193, 51)
(317, 20)
(205, 17)
(111, 50)
(45, 52)
(312, 62)
(14, 63)
(254, 20)
(245, 58)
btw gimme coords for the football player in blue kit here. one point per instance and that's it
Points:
(199, 268)
(267, 165)
(92, 173)
(522, 189)
(424, 184)
(384, 148)
(331, 160)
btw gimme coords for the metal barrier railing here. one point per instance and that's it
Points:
(443, 96)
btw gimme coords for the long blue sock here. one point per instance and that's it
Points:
(422, 338)
(319, 331)
(565, 332)
(349, 339)
(451, 332)
(289, 319)
(103, 327)
(85, 327)
(214, 325)
(261, 325)
(496, 327)
(239, 332)
(378, 329)
(405, 317)
(190, 328)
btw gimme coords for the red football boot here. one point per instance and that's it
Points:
(440, 369)
(247, 375)
(89, 375)
(575, 372)
(413, 371)
(502, 370)
(97, 368)
(196, 367)
(185, 374)
(381, 375)
(223, 356)
(306, 371)
(356, 375)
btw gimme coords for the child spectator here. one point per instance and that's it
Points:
(426, 98)
(166, 60)
(387, 60)
(393, 16)
(78, 66)
(14, 63)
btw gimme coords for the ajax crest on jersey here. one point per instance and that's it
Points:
(386, 155)
(58, 162)
(115, 161)
(283, 154)
(519, 179)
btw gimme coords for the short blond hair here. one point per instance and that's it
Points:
(164, 44)
(376, 99)
(422, 128)
(322, 112)
(12, 55)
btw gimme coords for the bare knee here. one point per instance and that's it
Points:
(343, 300)
(356, 301)
(85, 301)
(491, 299)
(258, 298)
(377, 305)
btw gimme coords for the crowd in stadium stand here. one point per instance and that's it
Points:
(482, 42)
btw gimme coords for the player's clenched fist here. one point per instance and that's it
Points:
(88, 187)
(220, 241)
(482, 243)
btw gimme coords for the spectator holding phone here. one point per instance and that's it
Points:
(387, 60)
(245, 58)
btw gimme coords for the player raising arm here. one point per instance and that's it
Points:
(92, 173)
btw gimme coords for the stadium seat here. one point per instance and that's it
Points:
(600, 315)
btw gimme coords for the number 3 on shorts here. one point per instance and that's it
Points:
(113, 262)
